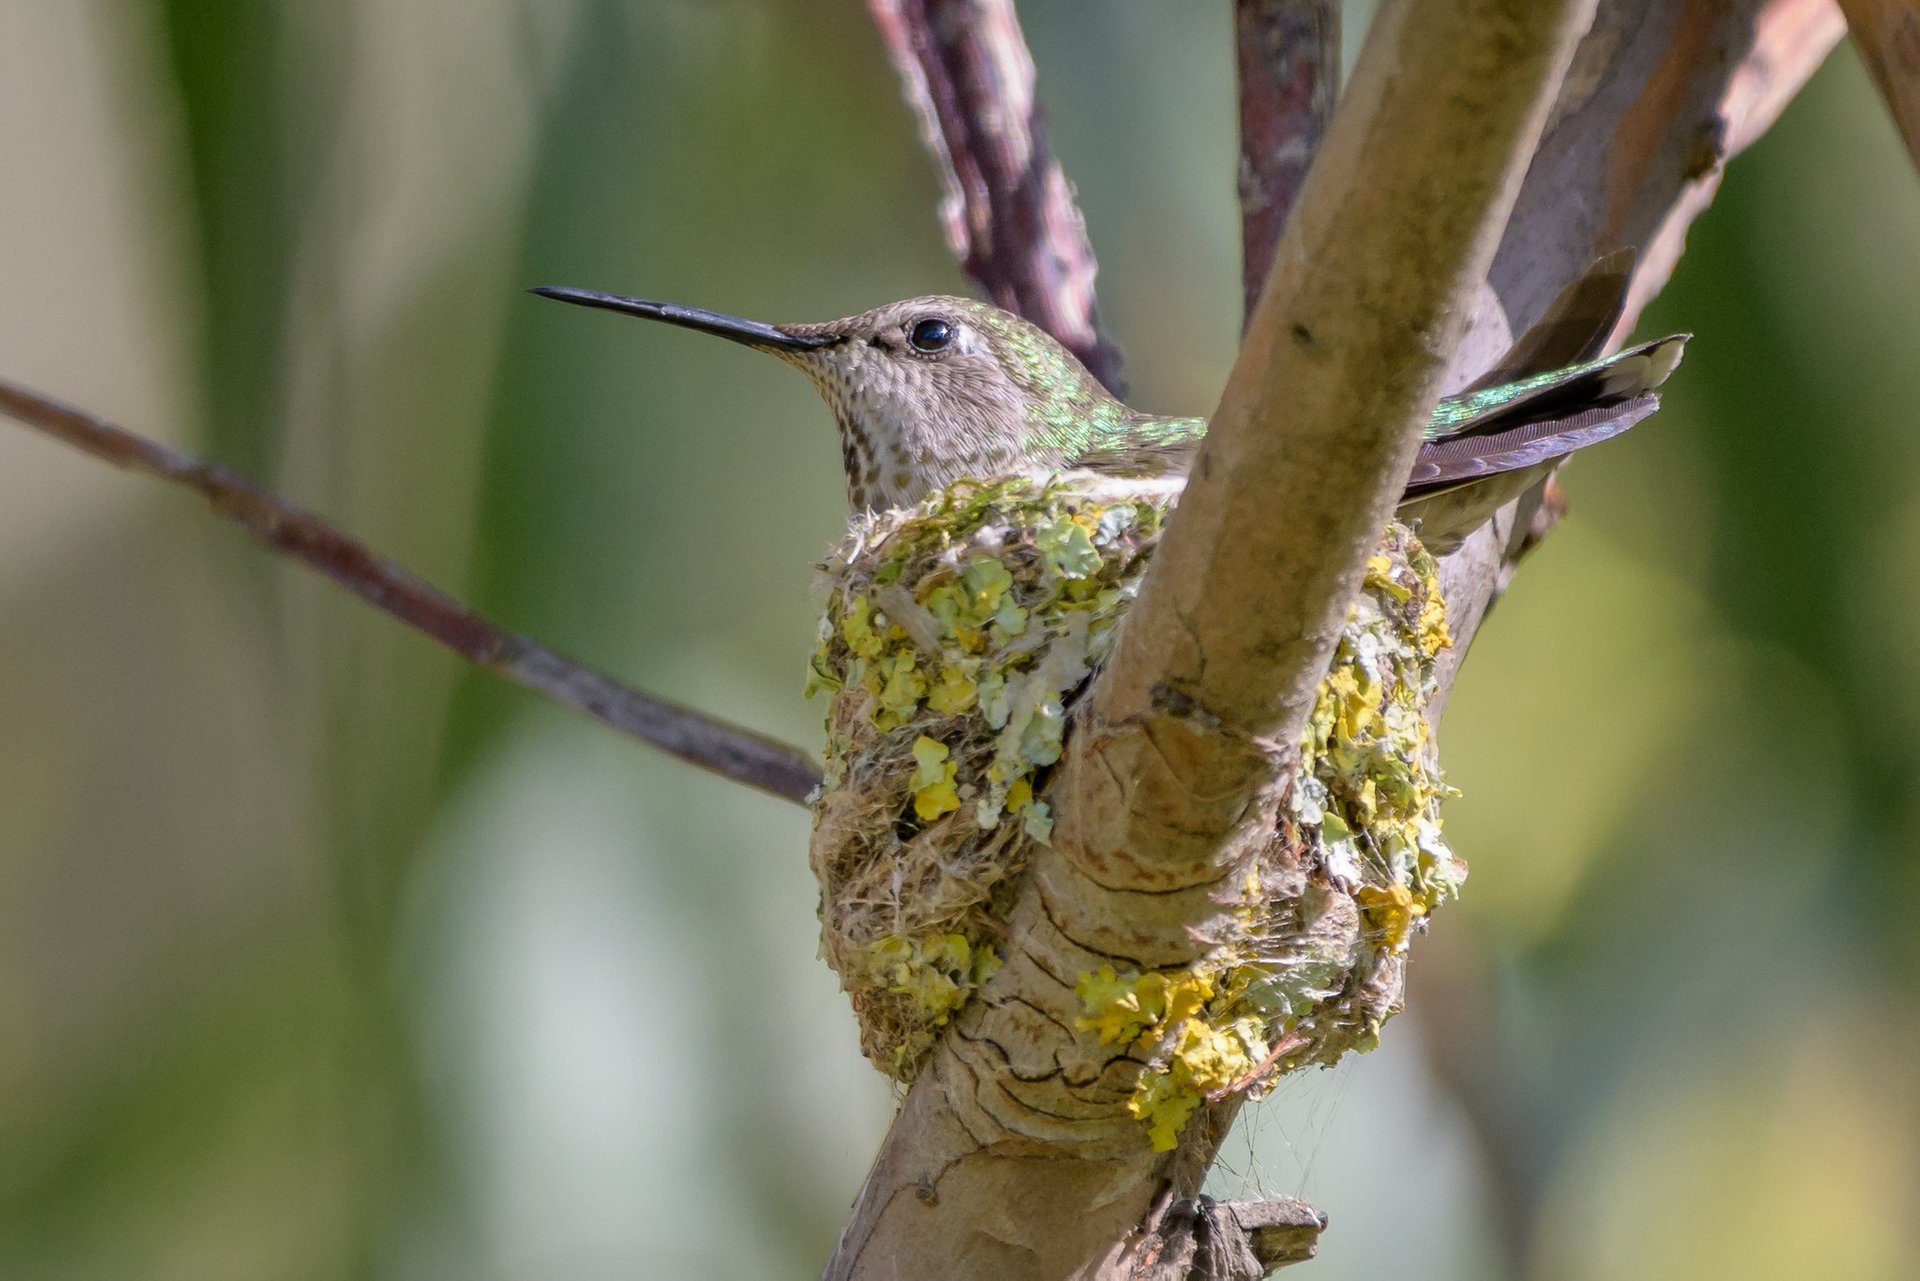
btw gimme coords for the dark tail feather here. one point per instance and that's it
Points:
(1558, 393)
(1458, 460)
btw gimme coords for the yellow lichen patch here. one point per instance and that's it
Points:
(933, 791)
(856, 625)
(898, 685)
(933, 975)
(1392, 910)
(953, 693)
(1170, 1014)
(955, 638)
(1369, 790)
(1204, 1060)
(1139, 1008)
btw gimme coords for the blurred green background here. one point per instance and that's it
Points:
(323, 957)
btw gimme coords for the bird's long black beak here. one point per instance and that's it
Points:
(753, 333)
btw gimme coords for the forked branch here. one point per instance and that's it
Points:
(1371, 288)
(698, 739)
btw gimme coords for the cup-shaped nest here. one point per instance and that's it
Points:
(957, 637)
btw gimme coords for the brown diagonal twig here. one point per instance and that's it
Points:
(698, 739)
(1287, 55)
(1009, 213)
(1887, 33)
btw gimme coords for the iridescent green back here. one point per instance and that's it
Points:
(1071, 418)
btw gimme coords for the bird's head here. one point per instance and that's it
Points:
(926, 391)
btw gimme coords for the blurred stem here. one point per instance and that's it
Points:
(1665, 93)
(234, 99)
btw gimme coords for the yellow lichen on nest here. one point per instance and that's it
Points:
(955, 638)
(1314, 966)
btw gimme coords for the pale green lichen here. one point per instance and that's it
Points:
(955, 639)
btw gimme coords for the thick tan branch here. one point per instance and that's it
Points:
(1662, 91)
(1371, 286)
(698, 739)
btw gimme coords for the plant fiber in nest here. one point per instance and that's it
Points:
(956, 639)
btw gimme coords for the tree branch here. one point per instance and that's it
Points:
(1888, 35)
(1287, 54)
(1009, 212)
(726, 750)
(1306, 456)
(1663, 93)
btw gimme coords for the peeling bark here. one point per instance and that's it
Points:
(1009, 213)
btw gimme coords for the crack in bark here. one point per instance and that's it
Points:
(1080, 870)
(1046, 910)
(983, 1039)
(1014, 998)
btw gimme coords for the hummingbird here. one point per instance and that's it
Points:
(931, 390)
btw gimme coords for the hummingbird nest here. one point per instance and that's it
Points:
(957, 637)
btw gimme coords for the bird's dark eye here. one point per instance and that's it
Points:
(931, 335)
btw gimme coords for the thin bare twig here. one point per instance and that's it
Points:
(1281, 1048)
(1009, 213)
(726, 750)
(1287, 54)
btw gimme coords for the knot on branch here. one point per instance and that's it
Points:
(1208, 1240)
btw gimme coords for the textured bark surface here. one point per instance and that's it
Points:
(1662, 93)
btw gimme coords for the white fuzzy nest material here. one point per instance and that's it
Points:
(956, 638)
